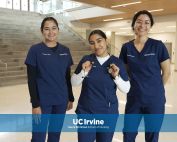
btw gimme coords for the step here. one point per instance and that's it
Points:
(2, 45)
(13, 53)
(9, 64)
(13, 68)
(13, 77)
(12, 43)
(78, 53)
(78, 48)
(23, 39)
(19, 60)
(13, 80)
(12, 73)
(19, 20)
(9, 48)
(7, 30)
(17, 12)
(22, 36)
(10, 30)
(79, 41)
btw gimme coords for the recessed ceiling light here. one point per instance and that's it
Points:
(125, 28)
(155, 10)
(118, 33)
(171, 26)
(112, 19)
(125, 4)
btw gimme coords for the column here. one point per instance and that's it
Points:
(59, 4)
(112, 43)
(176, 49)
(88, 31)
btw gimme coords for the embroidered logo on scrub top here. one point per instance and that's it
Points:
(93, 65)
(46, 54)
(130, 55)
(63, 54)
(150, 54)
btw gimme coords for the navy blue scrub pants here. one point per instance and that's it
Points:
(97, 135)
(158, 108)
(50, 123)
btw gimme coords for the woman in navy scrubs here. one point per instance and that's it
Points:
(100, 75)
(48, 68)
(148, 65)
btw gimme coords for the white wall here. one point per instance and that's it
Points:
(119, 41)
(92, 12)
(167, 37)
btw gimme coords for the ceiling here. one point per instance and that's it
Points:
(169, 7)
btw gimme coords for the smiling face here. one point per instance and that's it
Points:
(50, 31)
(98, 45)
(142, 25)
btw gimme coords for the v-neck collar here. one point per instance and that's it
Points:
(95, 58)
(144, 48)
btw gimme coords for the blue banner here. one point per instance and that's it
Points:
(88, 123)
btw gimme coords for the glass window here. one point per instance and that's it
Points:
(3, 3)
(9, 4)
(46, 7)
(31, 5)
(70, 5)
(24, 4)
(67, 5)
(16, 4)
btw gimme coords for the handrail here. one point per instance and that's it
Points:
(3, 63)
(66, 23)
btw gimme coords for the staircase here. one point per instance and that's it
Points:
(18, 31)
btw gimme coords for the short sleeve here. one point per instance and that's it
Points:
(70, 59)
(31, 58)
(123, 73)
(123, 54)
(163, 52)
(79, 66)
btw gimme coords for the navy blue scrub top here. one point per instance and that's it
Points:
(51, 69)
(98, 87)
(145, 71)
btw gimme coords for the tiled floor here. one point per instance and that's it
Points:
(15, 100)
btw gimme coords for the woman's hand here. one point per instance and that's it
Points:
(86, 66)
(69, 106)
(37, 114)
(36, 110)
(113, 70)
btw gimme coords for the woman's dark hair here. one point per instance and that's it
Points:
(48, 19)
(140, 13)
(98, 32)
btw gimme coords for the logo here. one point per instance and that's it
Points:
(150, 54)
(93, 122)
(46, 54)
(130, 55)
(63, 54)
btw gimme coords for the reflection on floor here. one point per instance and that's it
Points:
(15, 100)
